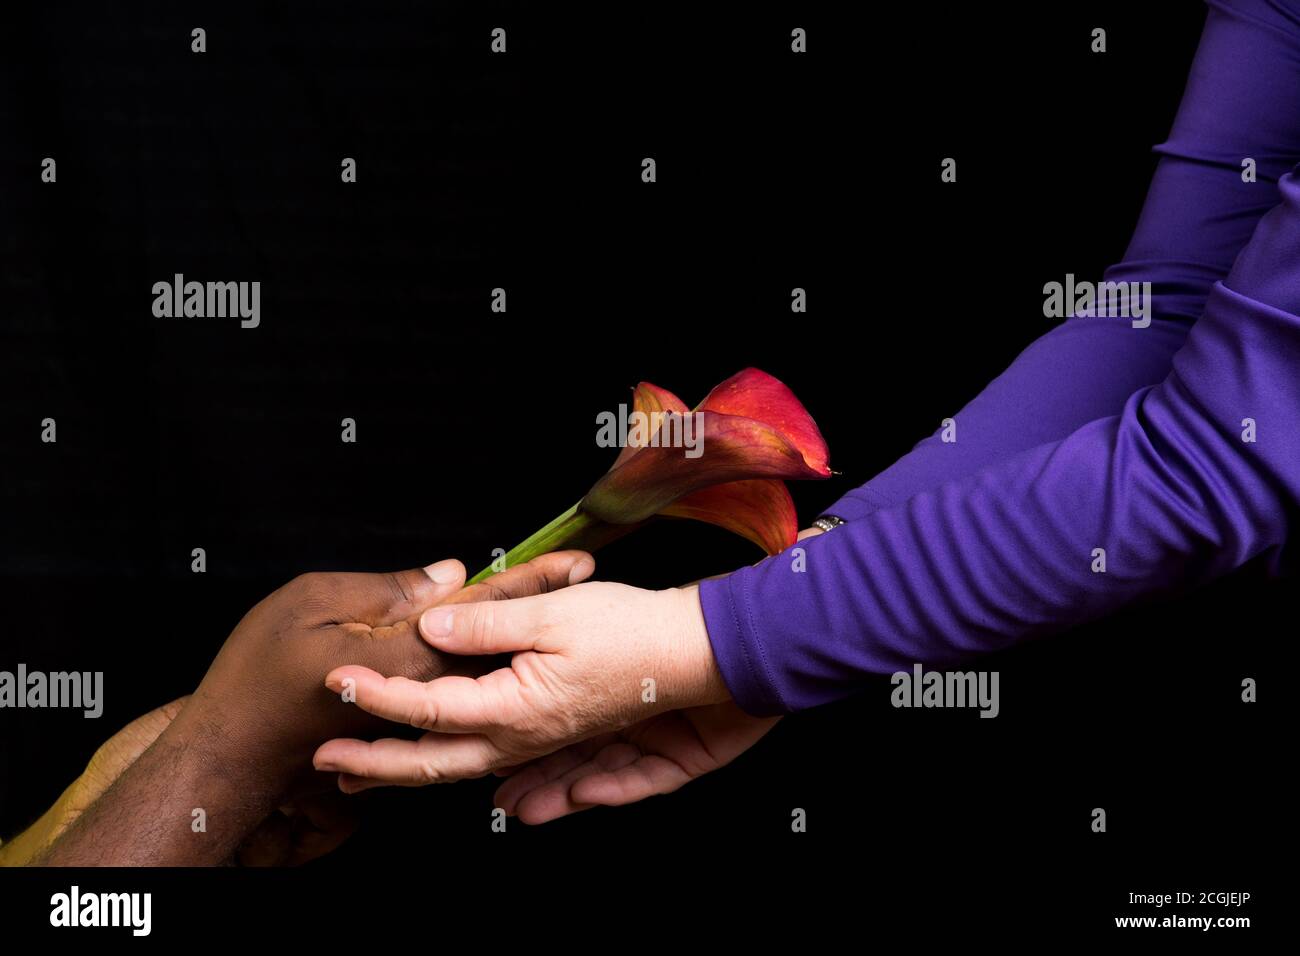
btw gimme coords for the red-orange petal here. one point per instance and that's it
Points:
(734, 449)
(760, 510)
(753, 393)
(649, 400)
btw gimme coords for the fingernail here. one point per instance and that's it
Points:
(581, 570)
(351, 784)
(325, 766)
(444, 572)
(436, 622)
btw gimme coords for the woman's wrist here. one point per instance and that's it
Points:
(692, 651)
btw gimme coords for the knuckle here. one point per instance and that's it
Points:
(311, 582)
(315, 598)
(481, 624)
(569, 724)
(397, 588)
(424, 713)
(314, 590)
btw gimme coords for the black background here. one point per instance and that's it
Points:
(523, 171)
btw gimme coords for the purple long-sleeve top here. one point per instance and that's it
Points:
(1100, 435)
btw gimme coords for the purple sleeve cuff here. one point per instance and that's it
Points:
(740, 657)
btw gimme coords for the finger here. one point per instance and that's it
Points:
(541, 575)
(269, 845)
(434, 758)
(320, 825)
(488, 627)
(399, 699)
(649, 776)
(535, 776)
(382, 600)
(350, 783)
(451, 704)
(555, 799)
(311, 843)
(542, 771)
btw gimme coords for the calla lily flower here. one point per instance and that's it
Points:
(750, 433)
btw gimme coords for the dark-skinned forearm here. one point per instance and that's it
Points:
(148, 817)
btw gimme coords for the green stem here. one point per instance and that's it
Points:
(573, 529)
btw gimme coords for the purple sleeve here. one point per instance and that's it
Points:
(1241, 101)
(976, 551)
(1170, 489)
